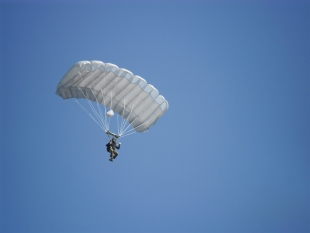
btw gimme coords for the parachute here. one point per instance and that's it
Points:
(137, 102)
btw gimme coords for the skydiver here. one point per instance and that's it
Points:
(111, 147)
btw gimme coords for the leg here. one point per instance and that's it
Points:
(111, 154)
(115, 154)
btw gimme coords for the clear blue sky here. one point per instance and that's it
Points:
(231, 155)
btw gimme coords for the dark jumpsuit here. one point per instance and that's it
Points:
(111, 147)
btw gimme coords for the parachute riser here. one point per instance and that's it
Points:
(112, 134)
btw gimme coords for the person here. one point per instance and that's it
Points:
(111, 147)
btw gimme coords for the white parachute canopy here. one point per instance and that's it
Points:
(128, 95)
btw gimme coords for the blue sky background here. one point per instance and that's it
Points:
(230, 155)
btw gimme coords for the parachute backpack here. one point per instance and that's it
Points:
(138, 105)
